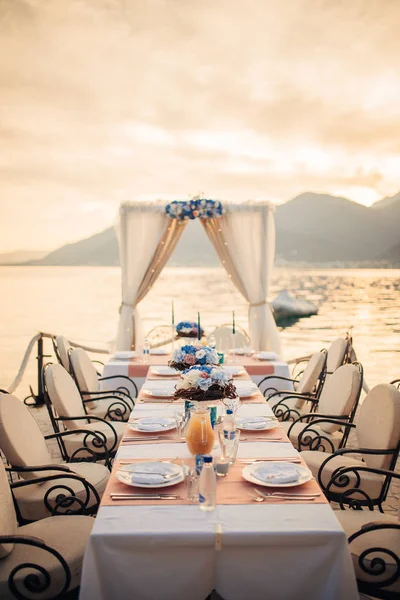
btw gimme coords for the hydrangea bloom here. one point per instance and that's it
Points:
(201, 208)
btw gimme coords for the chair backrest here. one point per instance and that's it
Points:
(378, 424)
(224, 339)
(8, 519)
(21, 439)
(310, 375)
(85, 374)
(340, 394)
(336, 355)
(63, 346)
(64, 395)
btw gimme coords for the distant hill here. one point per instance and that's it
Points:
(13, 258)
(315, 228)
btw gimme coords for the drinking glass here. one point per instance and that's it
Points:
(181, 421)
(232, 404)
(222, 466)
(229, 446)
(192, 485)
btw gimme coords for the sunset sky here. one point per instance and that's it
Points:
(103, 101)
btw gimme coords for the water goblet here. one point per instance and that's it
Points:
(229, 444)
(192, 484)
(180, 421)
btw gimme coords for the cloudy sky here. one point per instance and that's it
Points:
(103, 101)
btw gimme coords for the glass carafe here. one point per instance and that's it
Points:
(199, 433)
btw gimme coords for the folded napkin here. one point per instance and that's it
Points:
(153, 423)
(267, 355)
(276, 474)
(158, 351)
(150, 473)
(254, 422)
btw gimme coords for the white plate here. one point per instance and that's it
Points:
(158, 351)
(304, 474)
(234, 371)
(125, 354)
(169, 427)
(159, 393)
(270, 423)
(174, 469)
(247, 393)
(270, 356)
(165, 371)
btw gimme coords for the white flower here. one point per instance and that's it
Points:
(200, 353)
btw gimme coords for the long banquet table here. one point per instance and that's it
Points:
(277, 550)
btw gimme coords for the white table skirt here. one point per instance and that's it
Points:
(275, 551)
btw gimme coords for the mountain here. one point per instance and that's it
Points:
(193, 249)
(331, 229)
(392, 255)
(313, 228)
(13, 258)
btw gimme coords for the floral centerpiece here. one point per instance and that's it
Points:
(196, 208)
(188, 356)
(201, 383)
(188, 329)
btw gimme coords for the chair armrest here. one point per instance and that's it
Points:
(93, 418)
(319, 440)
(40, 580)
(131, 381)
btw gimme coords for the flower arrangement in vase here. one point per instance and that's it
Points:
(188, 356)
(205, 383)
(189, 329)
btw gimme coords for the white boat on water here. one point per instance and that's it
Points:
(287, 306)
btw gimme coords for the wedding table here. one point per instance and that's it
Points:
(276, 549)
(257, 369)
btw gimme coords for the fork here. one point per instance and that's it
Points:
(286, 494)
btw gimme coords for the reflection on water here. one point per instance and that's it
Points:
(82, 303)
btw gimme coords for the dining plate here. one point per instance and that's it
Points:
(124, 474)
(165, 371)
(304, 474)
(125, 354)
(270, 356)
(157, 424)
(235, 371)
(248, 393)
(249, 423)
(159, 393)
(158, 351)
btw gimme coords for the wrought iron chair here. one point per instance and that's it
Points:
(325, 429)
(374, 539)
(113, 405)
(25, 449)
(339, 353)
(378, 435)
(64, 405)
(61, 347)
(42, 559)
(288, 405)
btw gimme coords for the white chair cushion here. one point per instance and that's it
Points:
(68, 535)
(85, 374)
(352, 521)
(30, 498)
(336, 352)
(64, 395)
(73, 442)
(8, 520)
(378, 424)
(102, 406)
(339, 394)
(63, 348)
(311, 374)
(21, 439)
(297, 428)
(369, 482)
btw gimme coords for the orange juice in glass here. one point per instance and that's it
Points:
(200, 434)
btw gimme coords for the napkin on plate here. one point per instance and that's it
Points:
(153, 423)
(158, 351)
(254, 422)
(276, 474)
(148, 473)
(267, 356)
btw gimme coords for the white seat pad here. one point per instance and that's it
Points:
(370, 482)
(30, 498)
(68, 535)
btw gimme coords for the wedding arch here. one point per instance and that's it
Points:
(243, 236)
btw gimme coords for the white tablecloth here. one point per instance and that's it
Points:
(274, 551)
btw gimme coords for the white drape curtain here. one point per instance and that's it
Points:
(244, 239)
(147, 237)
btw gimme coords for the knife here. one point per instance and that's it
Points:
(142, 497)
(253, 460)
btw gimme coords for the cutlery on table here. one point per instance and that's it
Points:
(249, 461)
(166, 476)
(152, 439)
(284, 494)
(262, 439)
(119, 497)
(285, 498)
(133, 462)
